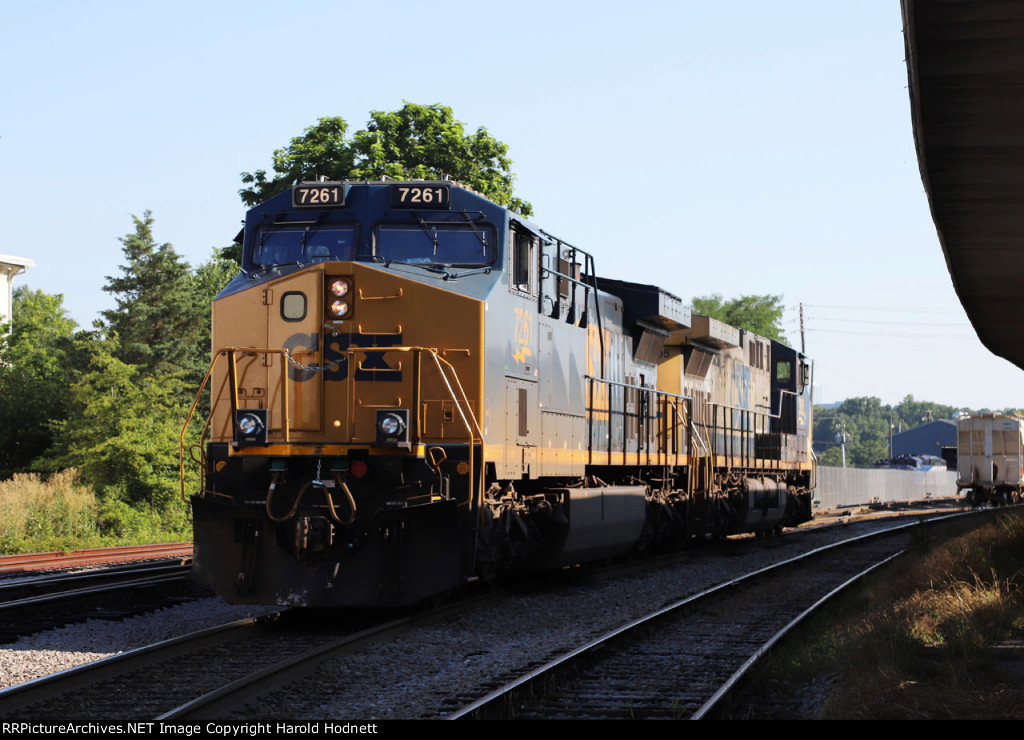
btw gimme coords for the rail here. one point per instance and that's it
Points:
(645, 423)
(566, 285)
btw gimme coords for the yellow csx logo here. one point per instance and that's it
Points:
(523, 335)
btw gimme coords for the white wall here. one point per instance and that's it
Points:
(838, 487)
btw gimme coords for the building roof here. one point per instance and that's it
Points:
(8, 261)
(965, 64)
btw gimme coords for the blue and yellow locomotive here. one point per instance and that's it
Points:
(414, 388)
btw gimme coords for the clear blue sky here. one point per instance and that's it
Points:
(733, 148)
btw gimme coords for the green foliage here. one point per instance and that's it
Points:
(416, 141)
(156, 319)
(205, 282)
(109, 402)
(53, 514)
(36, 367)
(321, 151)
(761, 314)
(123, 429)
(124, 522)
(866, 422)
(61, 513)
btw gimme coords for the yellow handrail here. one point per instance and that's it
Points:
(232, 352)
(447, 372)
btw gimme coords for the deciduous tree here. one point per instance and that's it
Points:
(36, 368)
(761, 314)
(416, 141)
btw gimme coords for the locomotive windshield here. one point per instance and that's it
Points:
(441, 244)
(280, 246)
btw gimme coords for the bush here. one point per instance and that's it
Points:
(60, 513)
(41, 515)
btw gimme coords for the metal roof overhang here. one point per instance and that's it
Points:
(965, 63)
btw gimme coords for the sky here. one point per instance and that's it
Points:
(741, 148)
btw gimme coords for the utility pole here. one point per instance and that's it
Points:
(803, 350)
(891, 428)
(842, 437)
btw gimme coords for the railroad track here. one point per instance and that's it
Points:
(196, 676)
(427, 670)
(92, 556)
(680, 661)
(36, 603)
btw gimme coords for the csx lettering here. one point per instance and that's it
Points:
(369, 365)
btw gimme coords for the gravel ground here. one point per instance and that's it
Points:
(439, 668)
(436, 668)
(58, 649)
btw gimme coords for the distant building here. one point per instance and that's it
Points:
(10, 267)
(927, 439)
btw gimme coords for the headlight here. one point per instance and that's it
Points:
(391, 425)
(338, 303)
(251, 426)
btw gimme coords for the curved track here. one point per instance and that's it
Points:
(678, 662)
(449, 659)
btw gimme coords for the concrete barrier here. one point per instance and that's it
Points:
(838, 487)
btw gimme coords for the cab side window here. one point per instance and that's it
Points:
(522, 269)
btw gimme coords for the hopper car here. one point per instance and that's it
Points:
(990, 458)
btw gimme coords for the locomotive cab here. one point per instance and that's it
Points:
(345, 393)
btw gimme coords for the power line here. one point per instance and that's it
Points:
(887, 323)
(890, 309)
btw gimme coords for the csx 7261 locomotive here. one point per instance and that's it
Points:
(413, 388)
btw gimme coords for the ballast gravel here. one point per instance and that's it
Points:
(59, 649)
(430, 672)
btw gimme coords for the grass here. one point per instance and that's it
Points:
(916, 641)
(58, 513)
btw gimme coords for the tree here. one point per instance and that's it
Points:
(156, 319)
(416, 141)
(761, 314)
(205, 282)
(36, 367)
(910, 413)
(321, 151)
(868, 424)
(865, 422)
(122, 432)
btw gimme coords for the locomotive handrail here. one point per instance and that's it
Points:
(658, 396)
(588, 262)
(469, 420)
(462, 404)
(703, 423)
(769, 414)
(232, 351)
(639, 388)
